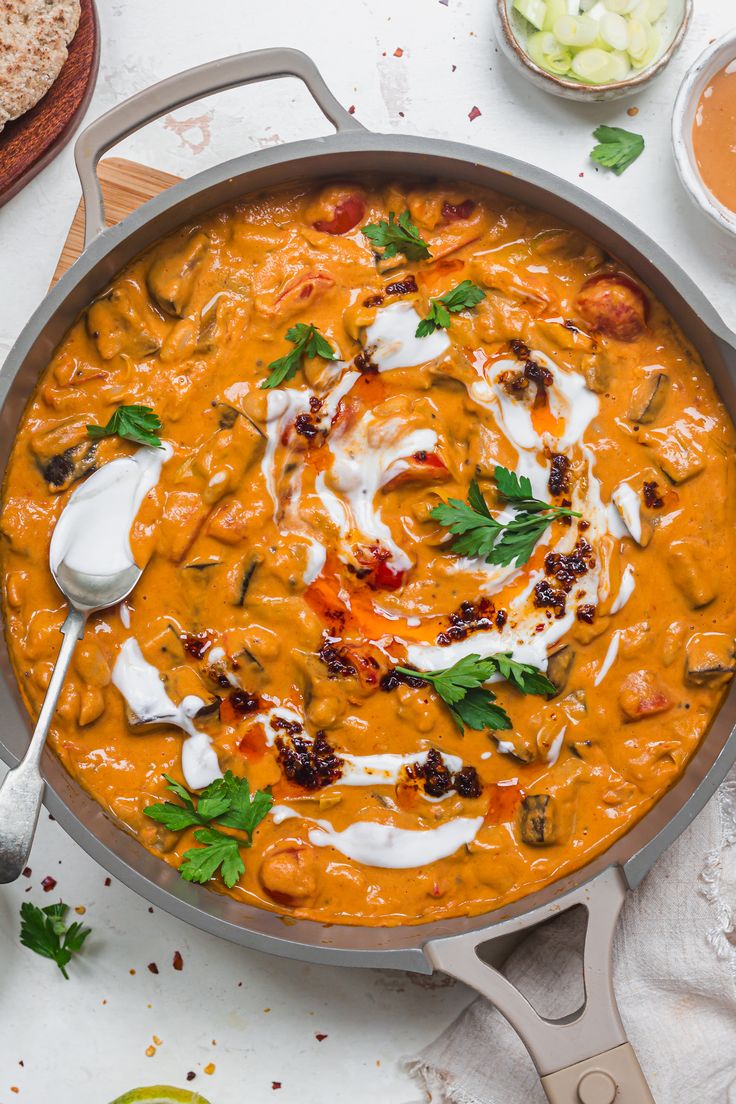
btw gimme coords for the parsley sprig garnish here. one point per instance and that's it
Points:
(307, 341)
(132, 423)
(463, 297)
(479, 534)
(395, 236)
(229, 802)
(470, 702)
(617, 148)
(44, 931)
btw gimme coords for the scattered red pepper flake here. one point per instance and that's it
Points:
(319, 1036)
(474, 113)
(48, 883)
(153, 967)
(178, 961)
(14, 1088)
(275, 1084)
(27, 872)
(191, 1075)
(108, 881)
(398, 52)
(351, 109)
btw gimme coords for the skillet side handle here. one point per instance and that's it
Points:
(583, 1057)
(613, 1076)
(193, 84)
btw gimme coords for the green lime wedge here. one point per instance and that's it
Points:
(160, 1094)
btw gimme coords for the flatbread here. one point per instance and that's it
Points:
(34, 35)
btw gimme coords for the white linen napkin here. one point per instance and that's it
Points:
(675, 978)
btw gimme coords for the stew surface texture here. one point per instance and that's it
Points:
(301, 546)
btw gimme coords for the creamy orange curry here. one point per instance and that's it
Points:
(436, 549)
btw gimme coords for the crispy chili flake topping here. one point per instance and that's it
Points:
(652, 497)
(586, 614)
(311, 764)
(533, 371)
(336, 660)
(244, 702)
(364, 363)
(438, 780)
(402, 287)
(559, 475)
(282, 724)
(394, 678)
(546, 595)
(306, 426)
(453, 212)
(373, 301)
(153, 967)
(196, 644)
(470, 618)
(48, 883)
(567, 569)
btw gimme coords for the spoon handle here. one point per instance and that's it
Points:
(22, 790)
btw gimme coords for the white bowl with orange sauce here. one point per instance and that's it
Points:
(704, 132)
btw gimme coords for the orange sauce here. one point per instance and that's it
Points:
(714, 136)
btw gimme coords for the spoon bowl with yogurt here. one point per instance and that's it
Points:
(93, 566)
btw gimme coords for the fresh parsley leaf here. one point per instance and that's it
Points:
(395, 236)
(617, 148)
(524, 676)
(217, 850)
(307, 341)
(132, 423)
(227, 801)
(478, 533)
(43, 931)
(460, 687)
(479, 710)
(463, 297)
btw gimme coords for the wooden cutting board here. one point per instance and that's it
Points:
(28, 144)
(125, 186)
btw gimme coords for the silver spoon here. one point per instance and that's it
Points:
(22, 791)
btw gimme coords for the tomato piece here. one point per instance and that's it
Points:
(455, 212)
(386, 577)
(347, 214)
(422, 467)
(614, 305)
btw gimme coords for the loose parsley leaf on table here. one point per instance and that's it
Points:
(395, 236)
(462, 297)
(617, 148)
(133, 423)
(478, 533)
(43, 930)
(229, 802)
(307, 341)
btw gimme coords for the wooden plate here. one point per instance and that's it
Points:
(30, 142)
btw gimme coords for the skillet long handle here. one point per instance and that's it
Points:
(22, 790)
(193, 84)
(585, 1057)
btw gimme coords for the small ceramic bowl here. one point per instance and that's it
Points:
(710, 62)
(513, 31)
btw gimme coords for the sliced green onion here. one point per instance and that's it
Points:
(555, 8)
(576, 30)
(549, 54)
(594, 66)
(614, 31)
(535, 11)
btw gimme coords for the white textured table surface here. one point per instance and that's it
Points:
(258, 1020)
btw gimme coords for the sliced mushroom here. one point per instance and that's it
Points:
(523, 748)
(678, 449)
(559, 666)
(693, 571)
(171, 277)
(710, 659)
(246, 571)
(538, 820)
(118, 326)
(65, 468)
(648, 398)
